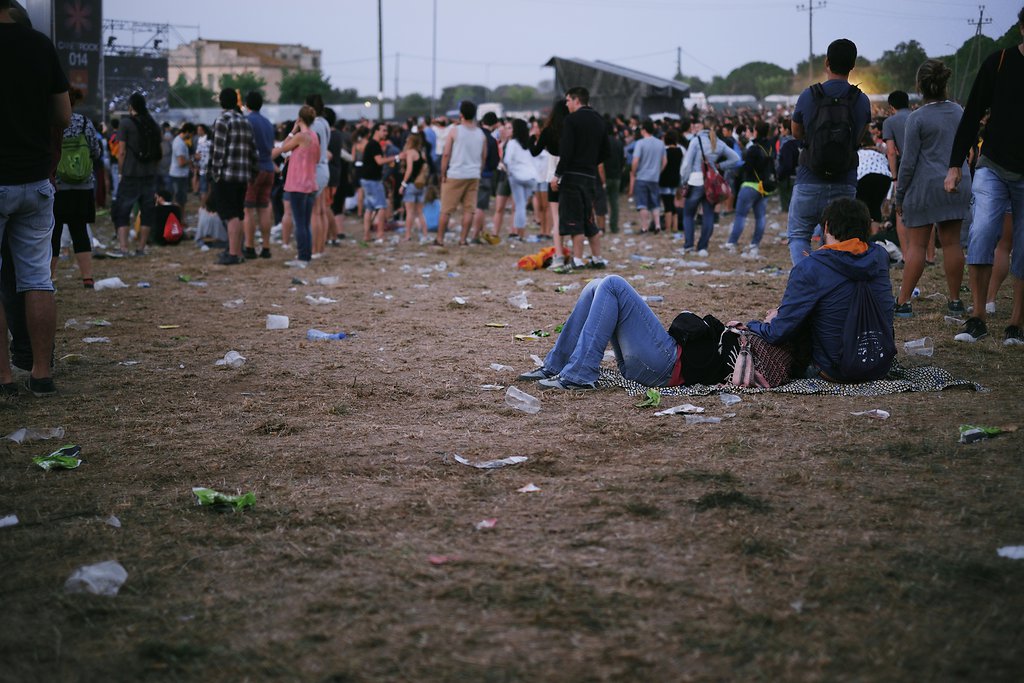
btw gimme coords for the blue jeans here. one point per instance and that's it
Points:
(26, 215)
(805, 209)
(748, 199)
(993, 197)
(521, 192)
(695, 197)
(609, 310)
(302, 214)
(180, 192)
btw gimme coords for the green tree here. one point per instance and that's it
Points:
(296, 85)
(452, 95)
(756, 78)
(185, 94)
(516, 96)
(413, 104)
(347, 96)
(244, 83)
(899, 65)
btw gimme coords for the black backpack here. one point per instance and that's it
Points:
(765, 172)
(701, 360)
(150, 139)
(831, 150)
(493, 158)
(869, 343)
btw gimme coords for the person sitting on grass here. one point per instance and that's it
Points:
(816, 300)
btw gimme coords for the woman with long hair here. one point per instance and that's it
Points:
(518, 163)
(705, 146)
(301, 183)
(920, 196)
(503, 189)
(873, 178)
(413, 161)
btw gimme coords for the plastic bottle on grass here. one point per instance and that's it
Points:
(320, 335)
(520, 400)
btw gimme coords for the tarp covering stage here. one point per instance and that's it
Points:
(617, 90)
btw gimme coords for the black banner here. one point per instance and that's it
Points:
(78, 34)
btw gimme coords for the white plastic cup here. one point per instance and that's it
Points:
(277, 322)
(920, 347)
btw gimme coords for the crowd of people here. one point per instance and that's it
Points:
(911, 171)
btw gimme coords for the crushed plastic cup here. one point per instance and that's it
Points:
(729, 399)
(701, 419)
(491, 464)
(277, 322)
(113, 521)
(96, 340)
(653, 299)
(328, 280)
(877, 414)
(519, 301)
(920, 347)
(459, 300)
(529, 488)
(1010, 552)
(231, 359)
(8, 520)
(104, 578)
(491, 387)
(520, 400)
(498, 367)
(234, 303)
(953, 320)
(320, 300)
(109, 283)
(28, 434)
(320, 335)
(684, 408)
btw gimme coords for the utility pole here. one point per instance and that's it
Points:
(974, 61)
(809, 8)
(679, 63)
(380, 60)
(396, 79)
(433, 69)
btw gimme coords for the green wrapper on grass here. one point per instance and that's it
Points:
(653, 399)
(64, 458)
(972, 433)
(213, 498)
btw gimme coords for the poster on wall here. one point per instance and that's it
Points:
(77, 35)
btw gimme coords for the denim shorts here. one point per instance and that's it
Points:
(26, 216)
(373, 194)
(412, 195)
(646, 195)
(993, 197)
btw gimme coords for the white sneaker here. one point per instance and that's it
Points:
(729, 246)
(703, 253)
(752, 254)
(317, 256)
(990, 308)
(296, 263)
(557, 263)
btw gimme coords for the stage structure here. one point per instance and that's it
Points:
(618, 90)
(135, 60)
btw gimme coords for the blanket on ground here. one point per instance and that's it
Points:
(900, 379)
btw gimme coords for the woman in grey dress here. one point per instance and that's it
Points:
(920, 197)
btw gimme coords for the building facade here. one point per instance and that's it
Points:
(207, 60)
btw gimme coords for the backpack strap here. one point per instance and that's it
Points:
(1002, 57)
(818, 92)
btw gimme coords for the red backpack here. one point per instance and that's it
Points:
(173, 232)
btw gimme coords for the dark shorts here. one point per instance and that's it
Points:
(134, 190)
(257, 193)
(503, 189)
(227, 199)
(483, 193)
(576, 206)
(74, 206)
(668, 203)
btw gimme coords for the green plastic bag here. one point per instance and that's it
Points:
(209, 497)
(653, 399)
(64, 458)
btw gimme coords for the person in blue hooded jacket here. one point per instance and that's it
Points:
(821, 287)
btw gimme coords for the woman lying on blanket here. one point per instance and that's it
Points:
(816, 302)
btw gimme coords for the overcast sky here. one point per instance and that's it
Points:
(497, 43)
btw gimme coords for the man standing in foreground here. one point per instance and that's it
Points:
(465, 152)
(998, 182)
(582, 147)
(233, 165)
(34, 102)
(829, 119)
